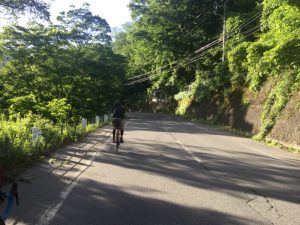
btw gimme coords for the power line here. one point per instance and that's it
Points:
(162, 67)
(197, 52)
(150, 72)
(223, 3)
(206, 47)
(193, 59)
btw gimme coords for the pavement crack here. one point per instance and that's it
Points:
(251, 199)
(264, 207)
(258, 211)
(259, 203)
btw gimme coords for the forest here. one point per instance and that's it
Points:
(218, 61)
(195, 58)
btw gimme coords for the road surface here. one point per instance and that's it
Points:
(169, 172)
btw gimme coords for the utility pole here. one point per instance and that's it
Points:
(224, 33)
(224, 27)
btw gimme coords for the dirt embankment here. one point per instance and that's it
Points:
(287, 128)
(242, 110)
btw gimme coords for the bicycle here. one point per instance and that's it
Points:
(10, 197)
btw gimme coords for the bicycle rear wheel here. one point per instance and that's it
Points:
(117, 140)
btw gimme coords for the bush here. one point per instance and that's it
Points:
(17, 145)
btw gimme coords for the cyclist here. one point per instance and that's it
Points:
(118, 120)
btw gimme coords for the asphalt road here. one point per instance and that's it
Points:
(169, 172)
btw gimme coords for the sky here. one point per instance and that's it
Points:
(115, 12)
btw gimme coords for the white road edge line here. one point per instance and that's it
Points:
(50, 213)
(197, 159)
(264, 153)
(189, 151)
(245, 145)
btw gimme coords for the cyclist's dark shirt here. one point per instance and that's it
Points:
(119, 112)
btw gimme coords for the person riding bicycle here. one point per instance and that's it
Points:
(118, 120)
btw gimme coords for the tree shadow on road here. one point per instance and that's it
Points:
(222, 173)
(110, 204)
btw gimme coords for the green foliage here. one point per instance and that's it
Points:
(162, 33)
(53, 75)
(275, 55)
(14, 139)
(73, 61)
(22, 105)
(59, 109)
(85, 27)
(17, 145)
(280, 17)
(286, 54)
(275, 51)
(239, 70)
(184, 100)
(258, 48)
(288, 84)
(37, 7)
(258, 69)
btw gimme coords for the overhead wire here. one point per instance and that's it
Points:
(171, 69)
(150, 72)
(204, 47)
(223, 3)
(197, 51)
(195, 58)
(192, 60)
(185, 58)
(162, 67)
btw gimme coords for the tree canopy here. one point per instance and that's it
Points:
(36, 7)
(71, 62)
(178, 49)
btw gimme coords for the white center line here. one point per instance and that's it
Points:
(197, 159)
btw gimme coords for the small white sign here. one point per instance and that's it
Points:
(36, 133)
(84, 122)
(97, 120)
(105, 118)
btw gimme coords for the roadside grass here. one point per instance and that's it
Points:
(18, 150)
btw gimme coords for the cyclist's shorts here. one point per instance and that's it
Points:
(118, 123)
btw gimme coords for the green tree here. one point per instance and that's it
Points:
(85, 27)
(37, 7)
(69, 60)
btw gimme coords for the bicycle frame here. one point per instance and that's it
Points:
(10, 197)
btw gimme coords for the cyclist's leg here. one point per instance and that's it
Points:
(114, 135)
